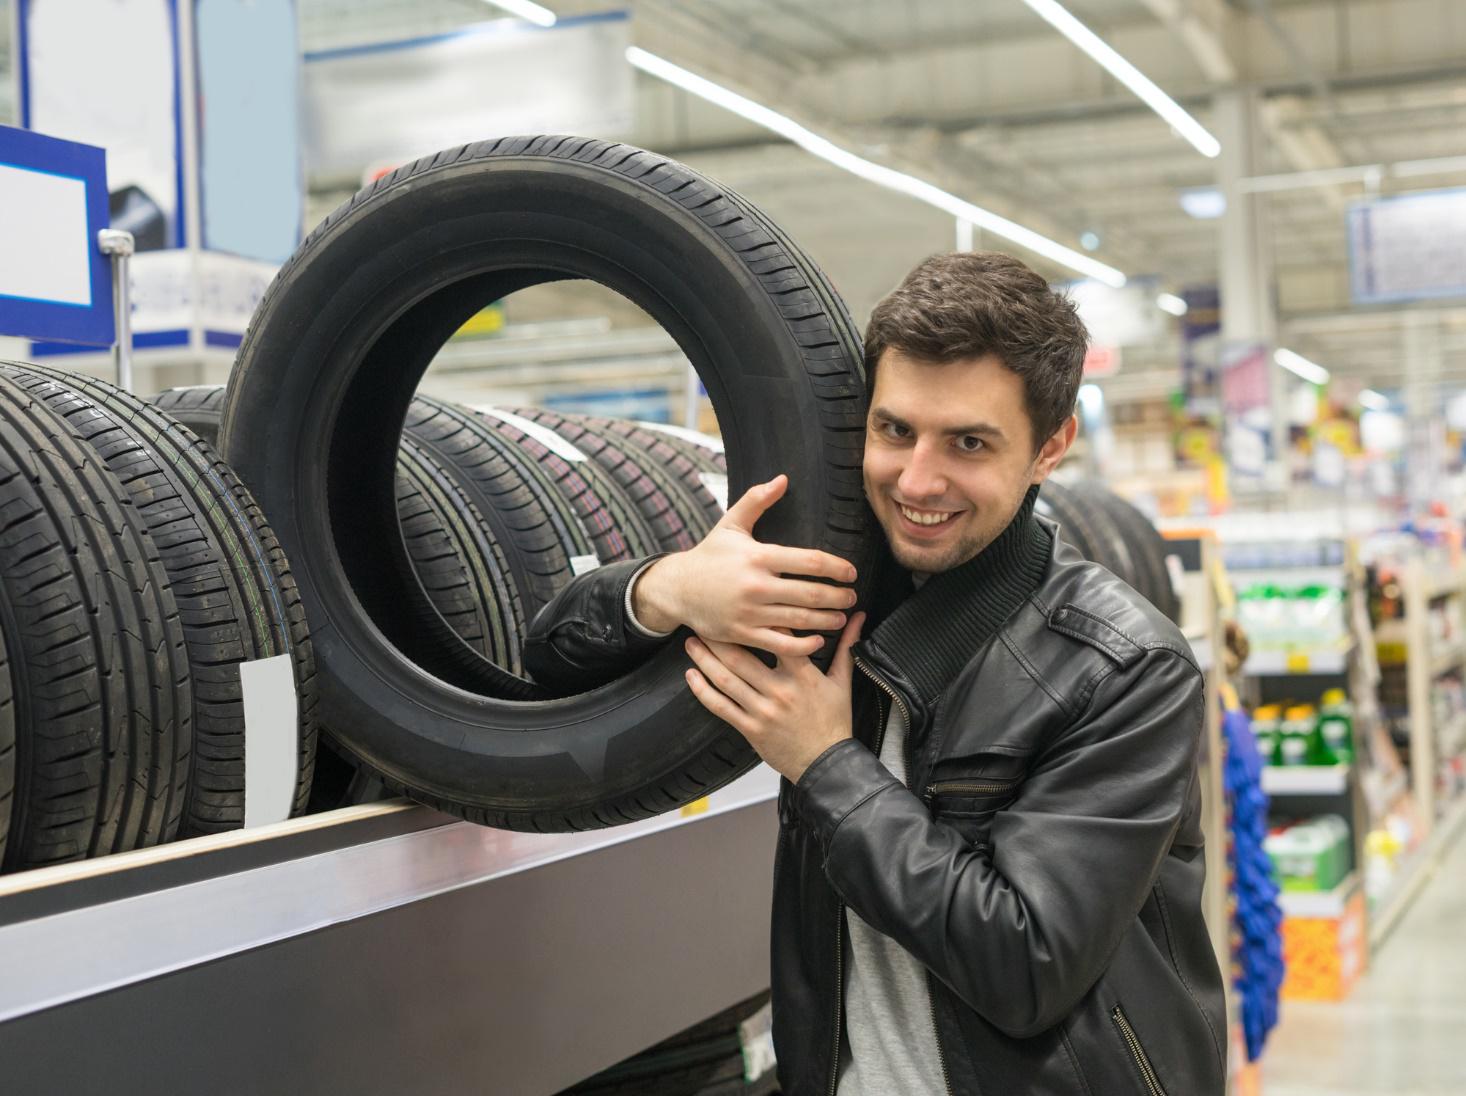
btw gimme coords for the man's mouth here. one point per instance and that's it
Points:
(925, 517)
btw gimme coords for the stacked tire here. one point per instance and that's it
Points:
(1110, 531)
(136, 576)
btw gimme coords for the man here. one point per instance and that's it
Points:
(990, 870)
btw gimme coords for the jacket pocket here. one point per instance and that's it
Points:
(1136, 1051)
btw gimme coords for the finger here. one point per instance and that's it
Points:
(755, 502)
(808, 561)
(718, 704)
(842, 666)
(782, 644)
(723, 678)
(806, 595)
(802, 620)
(743, 663)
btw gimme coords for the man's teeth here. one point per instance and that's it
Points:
(922, 518)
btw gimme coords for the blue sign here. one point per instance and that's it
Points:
(55, 283)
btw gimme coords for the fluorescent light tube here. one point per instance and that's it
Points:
(1301, 366)
(1169, 302)
(526, 9)
(1373, 400)
(1071, 28)
(879, 174)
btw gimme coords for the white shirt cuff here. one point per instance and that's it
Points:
(631, 614)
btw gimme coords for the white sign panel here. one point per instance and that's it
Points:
(104, 74)
(1407, 248)
(1127, 316)
(43, 226)
(393, 102)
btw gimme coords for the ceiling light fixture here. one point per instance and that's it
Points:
(1374, 400)
(869, 170)
(1205, 203)
(526, 9)
(1301, 366)
(1071, 28)
(1169, 302)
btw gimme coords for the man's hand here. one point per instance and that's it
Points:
(730, 588)
(791, 713)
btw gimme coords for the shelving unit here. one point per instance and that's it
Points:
(1437, 823)
(1306, 779)
(1426, 662)
(1201, 622)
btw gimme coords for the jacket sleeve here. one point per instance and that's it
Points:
(583, 637)
(1022, 930)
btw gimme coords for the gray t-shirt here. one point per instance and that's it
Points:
(890, 1043)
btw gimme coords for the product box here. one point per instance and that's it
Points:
(1325, 955)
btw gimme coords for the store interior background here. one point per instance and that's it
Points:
(1233, 262)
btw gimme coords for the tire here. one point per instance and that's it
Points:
(1147, 549)
(322, 385)
(197, 406)
(452, 550)
(98, 664)
(686, 475)
(543, 539)
(653, 494)
(702, 449)
(236, 598)
(7, 746)
(606, 512)
(1107, 544)
(457, 559)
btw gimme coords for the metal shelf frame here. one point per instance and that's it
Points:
(386, 949)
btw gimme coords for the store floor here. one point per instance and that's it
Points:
(1403, 1029)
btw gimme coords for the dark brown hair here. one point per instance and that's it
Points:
(969, 304)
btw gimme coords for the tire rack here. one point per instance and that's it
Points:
(382, 949)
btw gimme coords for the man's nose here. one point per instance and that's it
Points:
(922, 477)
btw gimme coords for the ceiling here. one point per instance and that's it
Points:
(985, 99)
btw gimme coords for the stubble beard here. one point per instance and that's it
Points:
(927, 561)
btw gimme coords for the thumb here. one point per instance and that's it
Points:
(755, 502)
(842, 666)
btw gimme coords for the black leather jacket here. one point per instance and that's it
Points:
(1046, 864)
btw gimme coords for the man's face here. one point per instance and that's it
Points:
(949, 456)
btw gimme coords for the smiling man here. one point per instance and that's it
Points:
(991, 866)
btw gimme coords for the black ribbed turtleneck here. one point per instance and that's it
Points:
(935, 632)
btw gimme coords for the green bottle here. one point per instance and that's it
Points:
(1336, 724)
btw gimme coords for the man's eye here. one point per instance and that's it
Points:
(893, 430)
(969, 443)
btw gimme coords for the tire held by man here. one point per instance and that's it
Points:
(322, 386)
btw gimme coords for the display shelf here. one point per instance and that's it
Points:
(1449, 659)
(1201, 650)
(1452, 736)
(1416, 872)
(1319, 903)
(1305, 779)
(279, 929)
(1444, 586)
(1291, 576)
(1428, 659)
(1326, 659)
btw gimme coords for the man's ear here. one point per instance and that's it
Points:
(1054, 449)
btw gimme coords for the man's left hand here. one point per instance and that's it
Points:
(790, 712)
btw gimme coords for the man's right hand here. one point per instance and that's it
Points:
(731, 588)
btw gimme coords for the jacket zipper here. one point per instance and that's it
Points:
(1152, 1082)
(931, 1005)
(975, 786)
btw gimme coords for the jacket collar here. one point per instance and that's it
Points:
(928, 638)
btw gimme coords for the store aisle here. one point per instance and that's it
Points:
(1403, 1030)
